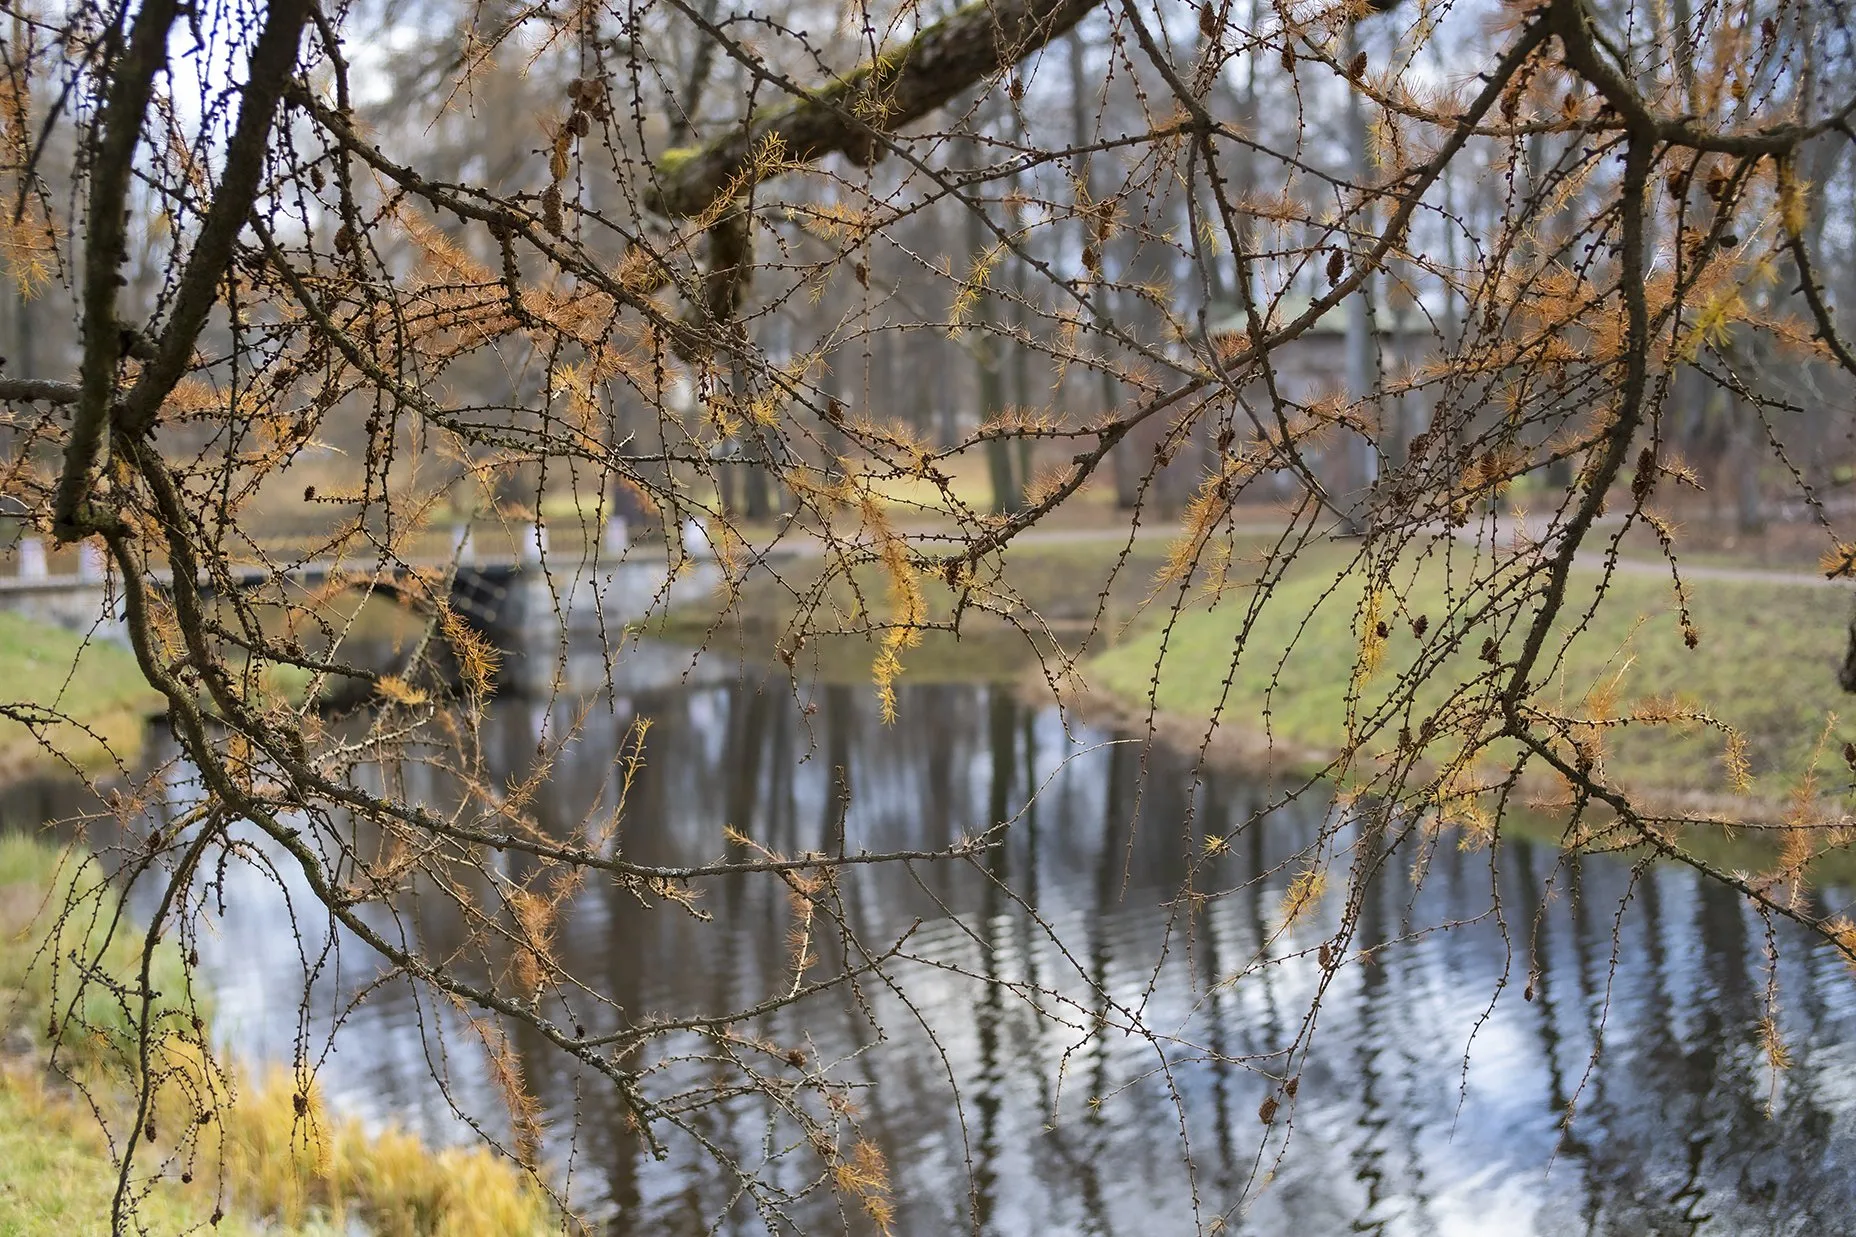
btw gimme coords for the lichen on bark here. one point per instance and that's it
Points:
(852, 114)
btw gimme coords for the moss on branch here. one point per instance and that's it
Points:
(851, 113)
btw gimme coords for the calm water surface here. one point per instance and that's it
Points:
(1433, 1100)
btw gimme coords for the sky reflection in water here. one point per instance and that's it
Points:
(1429, 1104)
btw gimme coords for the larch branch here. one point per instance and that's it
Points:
(112, 159)
(847, 115)
(272, 59)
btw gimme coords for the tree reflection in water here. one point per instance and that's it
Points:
(994, 1071)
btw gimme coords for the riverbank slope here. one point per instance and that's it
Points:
(86, 698)
(1307, 678)
(266, 1158)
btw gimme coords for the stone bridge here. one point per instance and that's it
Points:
(523, 605)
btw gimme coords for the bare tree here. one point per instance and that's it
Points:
(646, 287)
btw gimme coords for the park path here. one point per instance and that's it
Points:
(1481, 535)
(1489, 531)
(1501, 532)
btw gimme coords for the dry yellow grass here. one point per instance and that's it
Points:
(282, 1163)
(294, 1169)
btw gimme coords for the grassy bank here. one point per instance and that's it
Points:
(1068, 585)
(1765, 664)
(89, 702)
(94, 684)
(270, 1156)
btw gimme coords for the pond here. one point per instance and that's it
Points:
(1066, 1044)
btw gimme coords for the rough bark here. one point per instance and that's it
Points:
(985, 347)
(1361, 469)
(683, 120)
(851, 114)
(273, 56)
(105, 247)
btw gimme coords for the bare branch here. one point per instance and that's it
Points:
(903, 85)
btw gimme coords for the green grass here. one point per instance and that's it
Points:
(39, 978)
(90, 701)
(1059, 583)
(1050, 591)
(95, 684)
(1766, 665)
